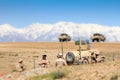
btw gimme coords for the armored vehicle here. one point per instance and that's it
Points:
(84, 54)
(97, 37)
(64, 37)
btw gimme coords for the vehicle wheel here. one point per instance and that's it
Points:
(70, 58)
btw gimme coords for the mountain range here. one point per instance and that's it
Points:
(38, 32)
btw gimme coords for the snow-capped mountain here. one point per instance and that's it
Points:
(50, 32)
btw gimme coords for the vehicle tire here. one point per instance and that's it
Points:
(70, 58)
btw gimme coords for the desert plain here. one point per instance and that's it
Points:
(11, 52)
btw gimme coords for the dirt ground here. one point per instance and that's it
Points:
(10, 53)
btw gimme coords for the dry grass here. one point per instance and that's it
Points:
(11, 52)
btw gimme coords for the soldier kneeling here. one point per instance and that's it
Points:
(44, 63)
(20, 66)
(93, 58)
(60, 62)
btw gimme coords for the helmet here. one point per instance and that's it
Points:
(20, 60)
(60, 55)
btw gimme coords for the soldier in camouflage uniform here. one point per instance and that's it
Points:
(60, 62)
(44, 63)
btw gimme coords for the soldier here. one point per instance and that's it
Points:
(93, 58)
(100, 58)
(20, 66)
(60, 61)
(44, 63)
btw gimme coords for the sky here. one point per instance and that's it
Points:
(21, 13)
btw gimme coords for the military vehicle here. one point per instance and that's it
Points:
(97, 37)
(81, 55)
(74, 57)
(64, 37)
